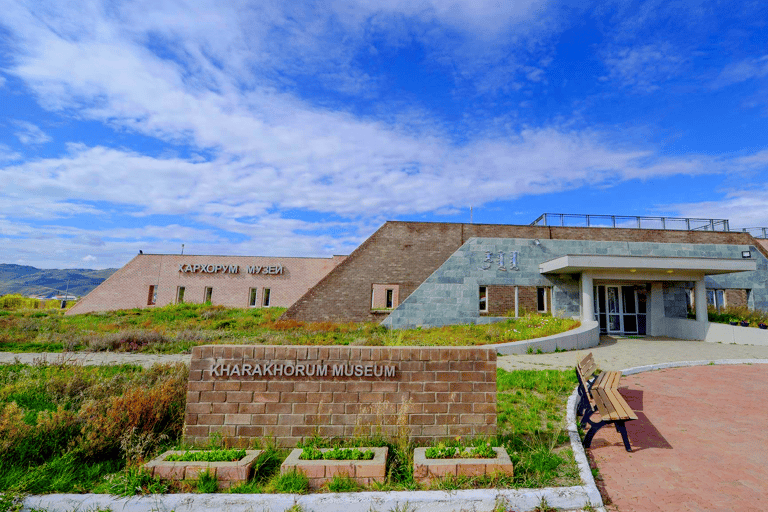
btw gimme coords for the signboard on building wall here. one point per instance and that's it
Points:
(214, 268)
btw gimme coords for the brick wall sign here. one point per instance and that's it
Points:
(293, 392)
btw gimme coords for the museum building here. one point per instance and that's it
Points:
(630, 277)
(151, 280)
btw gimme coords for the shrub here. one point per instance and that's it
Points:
(157, 408)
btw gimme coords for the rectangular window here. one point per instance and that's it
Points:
(252, 298)
(152, 296)
(541, 300)
(265, 297)
(180, 295)
(208, 295)
(384, 296)
(716, 298)
(483, 299)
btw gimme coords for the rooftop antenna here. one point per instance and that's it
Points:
(182, 249)
(470, 214)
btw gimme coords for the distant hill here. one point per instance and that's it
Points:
(27, 280)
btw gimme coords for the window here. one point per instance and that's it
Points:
(252, 298)
(180, 295)
(265, 298)
(716, 298)
(152, 295)
(208, 295)
(541, 300)
(483, 299)
(384, 296)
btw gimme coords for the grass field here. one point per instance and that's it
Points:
(177, 328)
(77, 429)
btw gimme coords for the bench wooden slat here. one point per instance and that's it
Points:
(599, 380)
(621, 405)
(604, 406)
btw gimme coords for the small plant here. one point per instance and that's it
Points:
(314, 453)
(207, 483)
(208, 456)
(481, 451)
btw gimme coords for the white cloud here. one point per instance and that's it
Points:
(743, 208)
(89, 258)
(742, 71)
(7, 154)
(30, 134)
(643, 68)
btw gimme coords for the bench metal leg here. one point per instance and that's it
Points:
(594, 426)
(622, 429)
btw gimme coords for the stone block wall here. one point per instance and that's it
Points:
(425, 392)
(450, 294)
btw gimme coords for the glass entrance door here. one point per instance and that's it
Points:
(620, 309)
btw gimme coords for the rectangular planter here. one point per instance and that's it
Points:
(424, 469)
(227, 473)
(320, 471)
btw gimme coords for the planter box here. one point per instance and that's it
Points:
(320, 471)
(227, 473)
(424, 469)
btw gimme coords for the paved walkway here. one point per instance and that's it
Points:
(699, 444)
(617, 353)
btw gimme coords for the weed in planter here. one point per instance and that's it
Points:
(293, 482)
(207, 483)
(342, 483)
(130, 482)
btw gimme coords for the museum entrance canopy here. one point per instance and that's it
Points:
(646, 267)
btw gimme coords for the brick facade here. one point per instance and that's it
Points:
(407, 253)
(129, 287)
(435, 392)
(736, 298)
(501, 300)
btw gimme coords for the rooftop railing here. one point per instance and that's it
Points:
(634, 222)
(759, 232)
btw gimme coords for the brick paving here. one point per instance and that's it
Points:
(700, 442)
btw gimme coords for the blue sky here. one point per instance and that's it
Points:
(298, 128)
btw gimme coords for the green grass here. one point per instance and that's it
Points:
(178, 328)
(88, 429)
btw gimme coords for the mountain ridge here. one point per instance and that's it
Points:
(27, 280)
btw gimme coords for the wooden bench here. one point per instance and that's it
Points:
(600, 394)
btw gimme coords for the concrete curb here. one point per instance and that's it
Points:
(683, 364)
(421, 501)
(585, 336)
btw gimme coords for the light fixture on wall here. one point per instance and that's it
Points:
(537, 242)
(746, 254)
